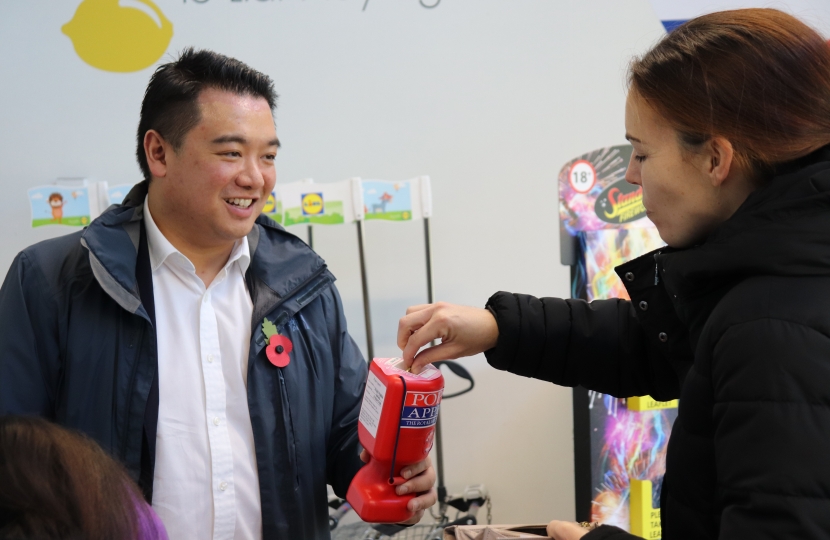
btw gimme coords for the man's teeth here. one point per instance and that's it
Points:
(242, 203)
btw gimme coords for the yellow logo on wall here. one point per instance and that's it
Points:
(312, 204)
(112, 37)
(270, 205)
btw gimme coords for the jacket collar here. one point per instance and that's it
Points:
(279, 260)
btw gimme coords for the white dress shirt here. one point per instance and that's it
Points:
(205, 482)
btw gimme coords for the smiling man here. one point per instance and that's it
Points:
(147, 330)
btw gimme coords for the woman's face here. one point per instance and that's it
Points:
(679, 192)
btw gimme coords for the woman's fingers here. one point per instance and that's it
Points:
(463, 331)
(423, 336)
(419, 307)
(412, 322)
(442, 351)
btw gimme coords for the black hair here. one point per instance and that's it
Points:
(170, 106)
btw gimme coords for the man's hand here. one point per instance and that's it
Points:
(420, 480)
(463, 331)
(566, 530)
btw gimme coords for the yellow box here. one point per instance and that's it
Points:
(647, 403)
(644, 519)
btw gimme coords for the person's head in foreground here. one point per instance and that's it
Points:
(59, 484)
(715, 107)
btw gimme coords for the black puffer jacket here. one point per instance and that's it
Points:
(739, 329)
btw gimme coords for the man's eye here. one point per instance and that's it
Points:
(640, 158)
(233, 153)
(271, 157)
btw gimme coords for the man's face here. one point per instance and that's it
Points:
(216, 184)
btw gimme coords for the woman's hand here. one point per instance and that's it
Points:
(463, 331)
(566, 530)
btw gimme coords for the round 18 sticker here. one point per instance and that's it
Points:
(582, 176)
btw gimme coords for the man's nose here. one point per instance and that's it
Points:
(252, 175)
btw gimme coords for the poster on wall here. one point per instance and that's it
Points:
(620, 445)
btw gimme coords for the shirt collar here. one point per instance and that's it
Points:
(161, 249)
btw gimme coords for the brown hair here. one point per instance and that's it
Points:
(758, 77)
(57, 484)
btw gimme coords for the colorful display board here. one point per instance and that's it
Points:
(336, 203)
(68, 202)
(306, 202)
(397, 201)
(620, 445)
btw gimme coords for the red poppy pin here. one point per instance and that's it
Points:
(279, 346)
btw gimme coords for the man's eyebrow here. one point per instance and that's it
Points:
(241, 140)
(632, 138)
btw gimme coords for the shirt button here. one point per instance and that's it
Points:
(216, 420)
(223, 486)
(210, 358)
(643, 305)
(629, 276)
(662, 336)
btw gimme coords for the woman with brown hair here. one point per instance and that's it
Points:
(729, 116)
(58, 484)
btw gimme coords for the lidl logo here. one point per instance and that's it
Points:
(270, 205)
(312, 204)
(112, 37)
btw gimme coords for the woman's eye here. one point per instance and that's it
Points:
(640, 158)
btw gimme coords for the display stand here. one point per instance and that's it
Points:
(619, 444)
(364, 282)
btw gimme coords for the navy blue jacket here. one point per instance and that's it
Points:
(78, 346)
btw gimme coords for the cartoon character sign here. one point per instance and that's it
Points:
(56, 203)
(67, 206)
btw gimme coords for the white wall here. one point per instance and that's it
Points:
(488, 97)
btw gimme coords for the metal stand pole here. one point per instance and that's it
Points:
(370, 349)
(428, 245)
(439, 441)
(310, 237)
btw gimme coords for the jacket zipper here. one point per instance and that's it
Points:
(292, 446)
(656, 273)
(131, 387)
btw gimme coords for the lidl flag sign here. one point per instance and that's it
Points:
(350, 200)
(317, 204)
(673, 13)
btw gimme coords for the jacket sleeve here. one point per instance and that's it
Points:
(343, 451)
(599, 345)
(771, 429)
(29, 348)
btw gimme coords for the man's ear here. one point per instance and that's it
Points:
(720, 159)
(156, 149)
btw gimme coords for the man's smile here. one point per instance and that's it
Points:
(240, 203)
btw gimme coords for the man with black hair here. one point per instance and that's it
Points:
(148, 330)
